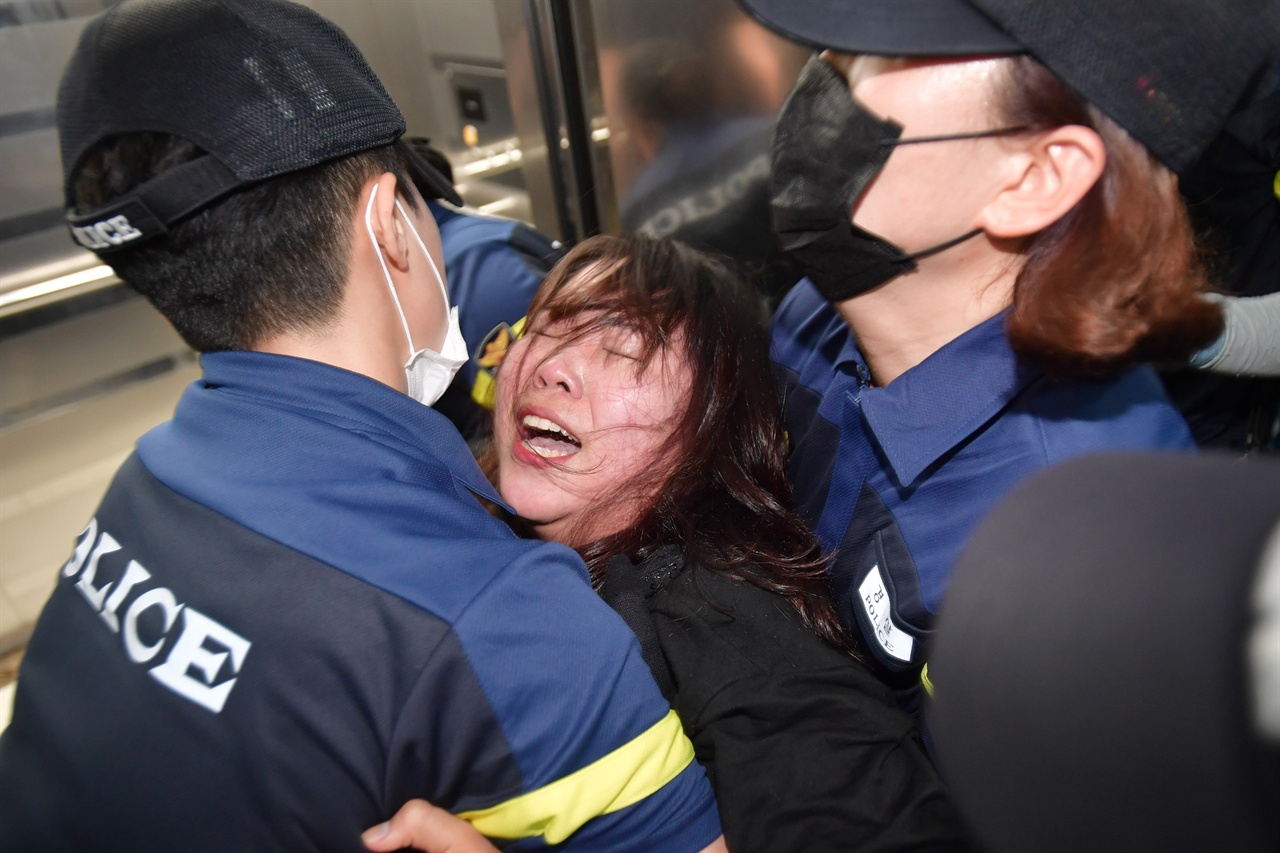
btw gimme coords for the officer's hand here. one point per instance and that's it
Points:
(422, 826)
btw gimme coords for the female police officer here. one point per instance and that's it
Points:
(983, 196)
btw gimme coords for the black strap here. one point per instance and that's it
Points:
(977, 134)
(149, 209)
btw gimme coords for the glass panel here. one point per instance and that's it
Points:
(690, 93)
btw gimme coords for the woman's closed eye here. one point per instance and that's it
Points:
(624, 344)
(629, 356)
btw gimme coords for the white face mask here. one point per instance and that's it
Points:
(428, 373)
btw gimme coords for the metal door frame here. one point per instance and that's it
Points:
(554, 87)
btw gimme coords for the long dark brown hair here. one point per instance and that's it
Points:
(1114, 282)
(720, 491)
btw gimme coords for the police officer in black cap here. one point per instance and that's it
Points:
(290, 613)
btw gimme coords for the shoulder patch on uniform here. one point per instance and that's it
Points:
(489, 357)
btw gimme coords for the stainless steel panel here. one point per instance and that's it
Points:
(36, 38)
(536, 104)
(425, 52)
(592, 93)
(84, 354)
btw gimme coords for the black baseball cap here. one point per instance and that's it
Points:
(265, 87)
(1170, 72)
(886, 27)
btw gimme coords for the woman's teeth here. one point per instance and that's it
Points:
(547, 438)
(549, 452)
(534, 422)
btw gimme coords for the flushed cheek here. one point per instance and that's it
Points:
(625, 453)
(627, 407)
(504, 426)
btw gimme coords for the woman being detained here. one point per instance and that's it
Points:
(638, 421)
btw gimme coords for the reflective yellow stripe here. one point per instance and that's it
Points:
(1276, 186)
(924, 679)
(623, 777)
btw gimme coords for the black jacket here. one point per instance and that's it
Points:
(805, 748)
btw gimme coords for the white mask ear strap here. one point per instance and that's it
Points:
(439, 278)
(386, 273)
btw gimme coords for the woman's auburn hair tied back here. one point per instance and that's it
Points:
(1116, 282)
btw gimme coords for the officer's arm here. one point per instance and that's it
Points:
(602, 760)
(422, 826)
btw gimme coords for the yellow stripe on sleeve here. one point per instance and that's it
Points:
(924, 680)
(625, 776)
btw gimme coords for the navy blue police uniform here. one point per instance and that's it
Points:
(893, 480)
(290, 615)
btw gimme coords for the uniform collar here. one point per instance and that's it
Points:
(348, 400)
(939, 403)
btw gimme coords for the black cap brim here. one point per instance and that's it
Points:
(429, 180)
(885, 27)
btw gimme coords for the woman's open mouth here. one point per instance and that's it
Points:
(547, 438)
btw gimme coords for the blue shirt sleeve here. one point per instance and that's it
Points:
(582, 715)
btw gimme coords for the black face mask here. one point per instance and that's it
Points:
(827, 148)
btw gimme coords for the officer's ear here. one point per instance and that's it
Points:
(388, 229)
(1048, 174)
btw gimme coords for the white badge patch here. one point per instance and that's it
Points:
(875, 601)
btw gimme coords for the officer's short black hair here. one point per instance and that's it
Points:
(265, 260)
